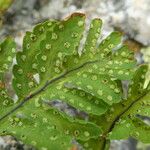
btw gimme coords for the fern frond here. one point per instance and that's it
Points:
(7, 52)
(50, 68)
(123, 119)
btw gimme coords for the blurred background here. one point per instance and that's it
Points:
(130, 17)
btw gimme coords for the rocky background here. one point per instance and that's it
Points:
(131, 17)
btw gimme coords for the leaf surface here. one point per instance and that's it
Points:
(50, 68)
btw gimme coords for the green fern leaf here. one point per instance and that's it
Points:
(131, 128)
(124, 120)
(50, 67)
(7, 52)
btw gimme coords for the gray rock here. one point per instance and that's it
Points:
(123, 145)
(131, 16)
(10, 143)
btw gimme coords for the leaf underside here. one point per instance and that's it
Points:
(50, 68)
